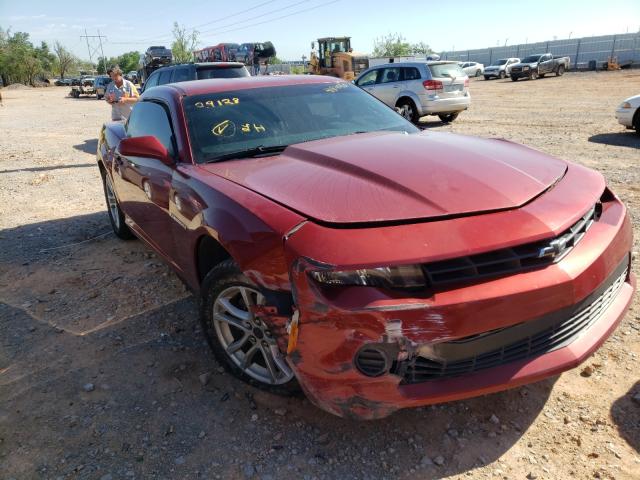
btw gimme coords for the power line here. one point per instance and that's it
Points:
(90, 48)
(250, 19)
(324, 4)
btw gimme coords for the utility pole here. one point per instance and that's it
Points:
(90, 47)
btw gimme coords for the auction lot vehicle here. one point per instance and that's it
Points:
(539, 65)
(283, 200)
(234, 52)
(154, 58)
(500, 69)
(62, 82)
(84, 86)
(335, 57)
(100, 85)
(473, 69)
(417, 89)
(195, 71)
(628, 113)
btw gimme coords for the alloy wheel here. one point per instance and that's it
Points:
(112, 203)
(245, 339)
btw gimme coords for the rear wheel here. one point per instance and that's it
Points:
(478, 73)
(448, 117)
(560, 71)
(116, 217)
(240, 341)
(408, 110)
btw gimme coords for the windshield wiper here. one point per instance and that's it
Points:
(248, 153)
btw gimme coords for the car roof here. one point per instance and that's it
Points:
(215, 85)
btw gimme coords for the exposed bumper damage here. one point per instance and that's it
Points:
(357, 349)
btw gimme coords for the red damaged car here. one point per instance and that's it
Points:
(338, 249)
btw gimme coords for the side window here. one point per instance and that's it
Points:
(150, 118)
(165, 76)
(411, 73)
(152, 81)
(368, 78)
(181, 75)
(390, 75)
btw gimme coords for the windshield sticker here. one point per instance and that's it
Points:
(336, 88)
(217, 103)
(258, 128)
(226, 128)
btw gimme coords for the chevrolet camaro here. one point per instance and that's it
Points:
(337, 249)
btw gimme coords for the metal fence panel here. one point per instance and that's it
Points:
(581, 51)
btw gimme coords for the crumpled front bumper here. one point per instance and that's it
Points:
(335, 325)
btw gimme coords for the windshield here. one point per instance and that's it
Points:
(531, 59)
(451, 70)
(227, 122)
(500, 62)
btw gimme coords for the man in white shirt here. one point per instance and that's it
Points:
(121, 94)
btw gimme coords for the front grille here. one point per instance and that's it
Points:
(542, 338)
(508, 261)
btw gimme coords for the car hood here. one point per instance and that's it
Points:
(396, 177)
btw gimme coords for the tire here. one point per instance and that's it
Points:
(533, 75)
(502, 74)
(486, 78)
(448, 117)
(636, 121)
(560, 71)
(542, 75)
(478, 73)
(408, 110)
(514, 79)
(228, 324)
(116, 217)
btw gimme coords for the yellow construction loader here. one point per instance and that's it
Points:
(335, 57)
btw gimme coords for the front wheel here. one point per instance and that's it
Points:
(502, 74)
(534, 75)
(636, 122)
(486, 77)
(514, 78)
(448, 117)
(116, 217)
(242, 343)
(408, 110)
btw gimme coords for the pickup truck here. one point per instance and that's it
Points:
(539, 65)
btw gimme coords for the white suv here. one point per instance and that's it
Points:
(500, 68)
(417, 89)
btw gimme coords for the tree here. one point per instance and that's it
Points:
(128, 61)
(391, 45)
(184, 44)
(421, 48)
(65, 59)
(47, 59)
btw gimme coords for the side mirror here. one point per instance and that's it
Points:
(147, 147)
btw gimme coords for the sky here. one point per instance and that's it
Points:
(293, 24)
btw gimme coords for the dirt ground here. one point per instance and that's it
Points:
(104, 373)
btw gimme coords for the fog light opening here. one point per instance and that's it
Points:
(372, 362)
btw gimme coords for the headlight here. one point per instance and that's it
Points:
(625, 105)
(401, 276)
